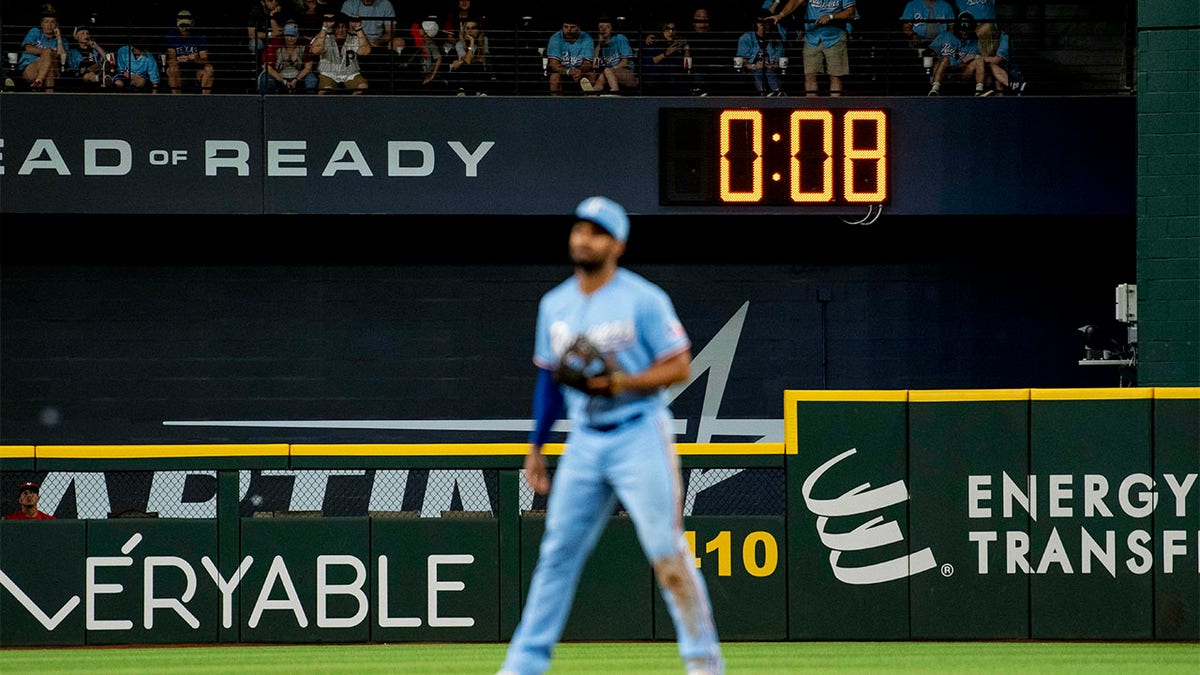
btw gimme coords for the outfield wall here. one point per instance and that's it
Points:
(965, 514)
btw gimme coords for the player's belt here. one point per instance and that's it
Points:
(605, 428)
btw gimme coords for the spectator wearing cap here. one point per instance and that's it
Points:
(187, 53)
(86, 59)
(289, 64)
(27, 499)
(427, 54)
(339, 45)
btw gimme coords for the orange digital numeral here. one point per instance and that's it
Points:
(877, 153)
(756, 124)
(825, 117)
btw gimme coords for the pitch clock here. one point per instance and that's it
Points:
(774, 156)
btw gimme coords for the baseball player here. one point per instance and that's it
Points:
(607, 344)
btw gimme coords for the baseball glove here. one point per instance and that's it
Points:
(582, 361)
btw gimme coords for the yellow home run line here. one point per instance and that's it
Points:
(349, 450)
(159, 451)
(1100, 393)
(16, 451)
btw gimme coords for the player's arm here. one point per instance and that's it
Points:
(662, 373)
(548, 406)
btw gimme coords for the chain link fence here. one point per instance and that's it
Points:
(380, 493)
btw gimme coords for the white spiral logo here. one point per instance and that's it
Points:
(871, 534)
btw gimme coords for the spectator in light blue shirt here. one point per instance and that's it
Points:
(825, 30)
(760, 50)
(613, 65)
(924, 19)
(136, 70)
(569, 56)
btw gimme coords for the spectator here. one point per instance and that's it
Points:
(86, 60)
(137, 69)
(187, 52)
(984, 12)
(663, 63)
(993, 49)
(825, 40)
(957, 50)
(339, 44)
(289, 64)
(27, 499)
(923, 20)
(378, 19)
(266, 20)
(569, 56)
(427, 54)
(760, 50)
(470, 68)
(613, 60)
(461, 13)
(43, 52)
(310, 18)
(709, 59)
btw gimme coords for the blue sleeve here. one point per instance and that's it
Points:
(747, 46)
(660, 327)
(547, 407)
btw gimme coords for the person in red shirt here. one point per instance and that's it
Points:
(28, 501)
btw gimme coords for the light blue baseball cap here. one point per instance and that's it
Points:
(607, 214)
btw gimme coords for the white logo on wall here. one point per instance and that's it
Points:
(874, 533)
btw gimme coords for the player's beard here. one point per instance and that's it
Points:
(589, 266)
(588, 259)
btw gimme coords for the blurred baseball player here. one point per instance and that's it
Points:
(619, 446)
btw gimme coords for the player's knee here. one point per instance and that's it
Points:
(672, 573)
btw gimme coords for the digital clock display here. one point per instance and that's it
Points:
(773, 156)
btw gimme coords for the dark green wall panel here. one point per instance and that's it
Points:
(1080, 438)
(464, 555)
(838, 589)
(51, 584)
(1177, 453)
(950, 441)
(742, 560)
(176, 547)
(614, 598)
(299, 542)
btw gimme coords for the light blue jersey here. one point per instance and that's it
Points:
(571, 54)
(611, 54)
(630, 320)
(36, 37)
(947, 45)
(927, 21)
(619, 450)
(76, 58)
(831, 33)
(144, 65)
(753, 51)
(982, 10)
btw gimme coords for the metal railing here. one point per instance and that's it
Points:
(1058, 57)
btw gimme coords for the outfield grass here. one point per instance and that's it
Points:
(642, 658)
